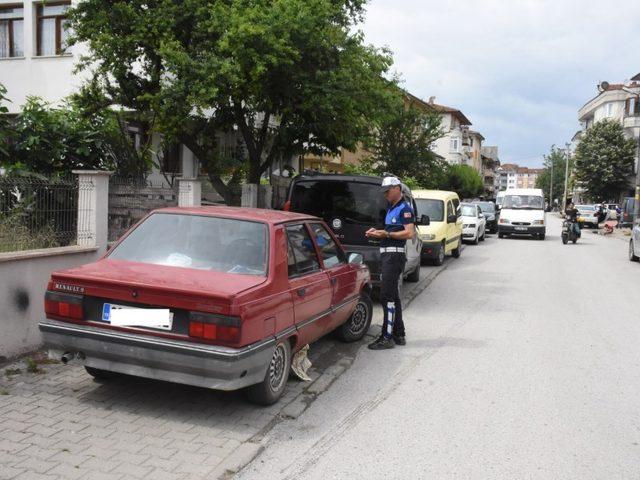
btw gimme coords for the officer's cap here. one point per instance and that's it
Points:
(389, 182)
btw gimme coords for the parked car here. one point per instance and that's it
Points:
(443, 235)
(351, 204)
(491, 215)
(474, 225)
(522, 213)
(588, 216)
(628, 207)
(216, 297)
(634, 243)
(612, 208)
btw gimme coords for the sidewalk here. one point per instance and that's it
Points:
(56, 422)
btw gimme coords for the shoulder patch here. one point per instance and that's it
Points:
(407, 215)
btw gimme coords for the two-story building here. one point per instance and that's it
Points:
(455, 145)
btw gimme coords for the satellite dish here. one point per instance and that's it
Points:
(604, 86)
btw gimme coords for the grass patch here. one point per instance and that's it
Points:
(32, 366)
(12, 371)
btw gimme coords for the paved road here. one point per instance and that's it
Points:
(523, 362)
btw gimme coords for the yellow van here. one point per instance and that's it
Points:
(444, 233)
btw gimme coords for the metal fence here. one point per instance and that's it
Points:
(37, 212)
(130, 200)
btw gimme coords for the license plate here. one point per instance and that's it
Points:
(521, 229)
(126, 316)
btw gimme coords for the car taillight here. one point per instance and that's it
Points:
(287, 206)
(63, 305)
(214, 327)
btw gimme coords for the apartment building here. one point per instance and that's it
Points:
(510, 175)
(455, 145)
(619, 101)
(490, 163)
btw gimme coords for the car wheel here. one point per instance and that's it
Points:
(439, 260)
(541, 236)
(484, 235)
(358, 323)
(632, 254)
(501, 235)
(458, 250)
(414, 276)
(272, 387)
(477, 239)
(100, 374)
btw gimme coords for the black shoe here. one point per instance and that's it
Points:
(399, 339)
(382, 344)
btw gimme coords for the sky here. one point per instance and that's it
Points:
(518, 69)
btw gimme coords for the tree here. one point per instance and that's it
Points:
(604, 160)
(556, 159)
(401, 145)
(292, 76)
(50, 140)
(464, 180)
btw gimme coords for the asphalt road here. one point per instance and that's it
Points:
(523, 361)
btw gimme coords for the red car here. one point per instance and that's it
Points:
(216, 297)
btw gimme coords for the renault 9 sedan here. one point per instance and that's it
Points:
(216, 297)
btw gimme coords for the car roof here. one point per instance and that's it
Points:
(272, 217)
(338, 177)
(434, 194)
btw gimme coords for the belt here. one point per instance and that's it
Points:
(392, 250)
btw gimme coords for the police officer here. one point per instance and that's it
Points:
(399, 227)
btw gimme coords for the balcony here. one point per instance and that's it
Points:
(631, 120)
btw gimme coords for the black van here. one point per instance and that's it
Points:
(628, 207)
(350, 205)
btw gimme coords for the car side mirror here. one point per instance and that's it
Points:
(452, 218)
(355, 258)
(481, 215)
(424, 220)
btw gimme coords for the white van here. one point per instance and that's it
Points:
(522, 213)
(500, 197)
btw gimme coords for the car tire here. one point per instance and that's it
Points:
(414, 276)
(100, 374)
(484, 235)
(455, 253)
(632, 254)
(477, 239)
(274, 384)
(541, 236)
(439, 258)
(356, 327)
(501, 235)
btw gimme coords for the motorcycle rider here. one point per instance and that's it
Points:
(572, 215)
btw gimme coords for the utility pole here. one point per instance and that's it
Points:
(551, 185)
(566, 180)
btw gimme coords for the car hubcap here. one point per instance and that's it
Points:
(359, 318)
(277, 368)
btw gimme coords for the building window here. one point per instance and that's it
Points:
(11, 32)
(52, 28)
(454, 145)
(609, 109)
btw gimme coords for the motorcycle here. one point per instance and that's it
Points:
(569, 232)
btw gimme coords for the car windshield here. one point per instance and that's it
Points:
(586, 207)
(354, 202)
(200, 242)
(487, 207)
(524, 202)
(468, 210)
(434, 209)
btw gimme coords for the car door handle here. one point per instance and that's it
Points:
(301, 292)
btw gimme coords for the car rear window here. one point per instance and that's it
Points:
(354, 202)
(200, 242)
(586, 207)
(487, 207)
(434, 209)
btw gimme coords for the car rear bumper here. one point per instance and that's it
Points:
(522, 229)
(209, 366)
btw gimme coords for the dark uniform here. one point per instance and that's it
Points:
(393, 259)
